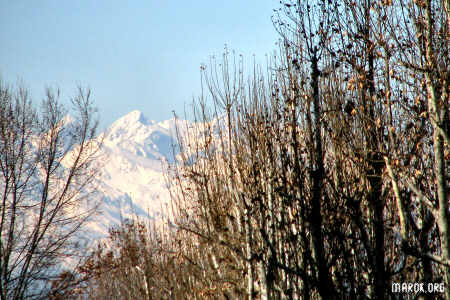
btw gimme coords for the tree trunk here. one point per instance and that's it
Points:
(438, 145)
(326, 286)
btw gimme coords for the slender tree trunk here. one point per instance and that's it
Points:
(326, 286)
(263, 281)
(249, 253)
(376, 166)
(438, 145)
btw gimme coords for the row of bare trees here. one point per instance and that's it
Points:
(324, 176)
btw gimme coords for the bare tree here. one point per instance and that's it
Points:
(47, 162)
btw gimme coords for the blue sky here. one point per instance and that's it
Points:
(143, 55)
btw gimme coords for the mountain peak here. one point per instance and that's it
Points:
(132, 119)
(133, 125)
(135, 116)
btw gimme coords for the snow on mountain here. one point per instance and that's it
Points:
(144, 138)
(133, 181)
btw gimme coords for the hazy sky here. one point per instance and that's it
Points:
(143, 55)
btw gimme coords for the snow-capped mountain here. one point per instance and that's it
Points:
(132, 181)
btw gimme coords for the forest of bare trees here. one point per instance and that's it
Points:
(323, 175)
